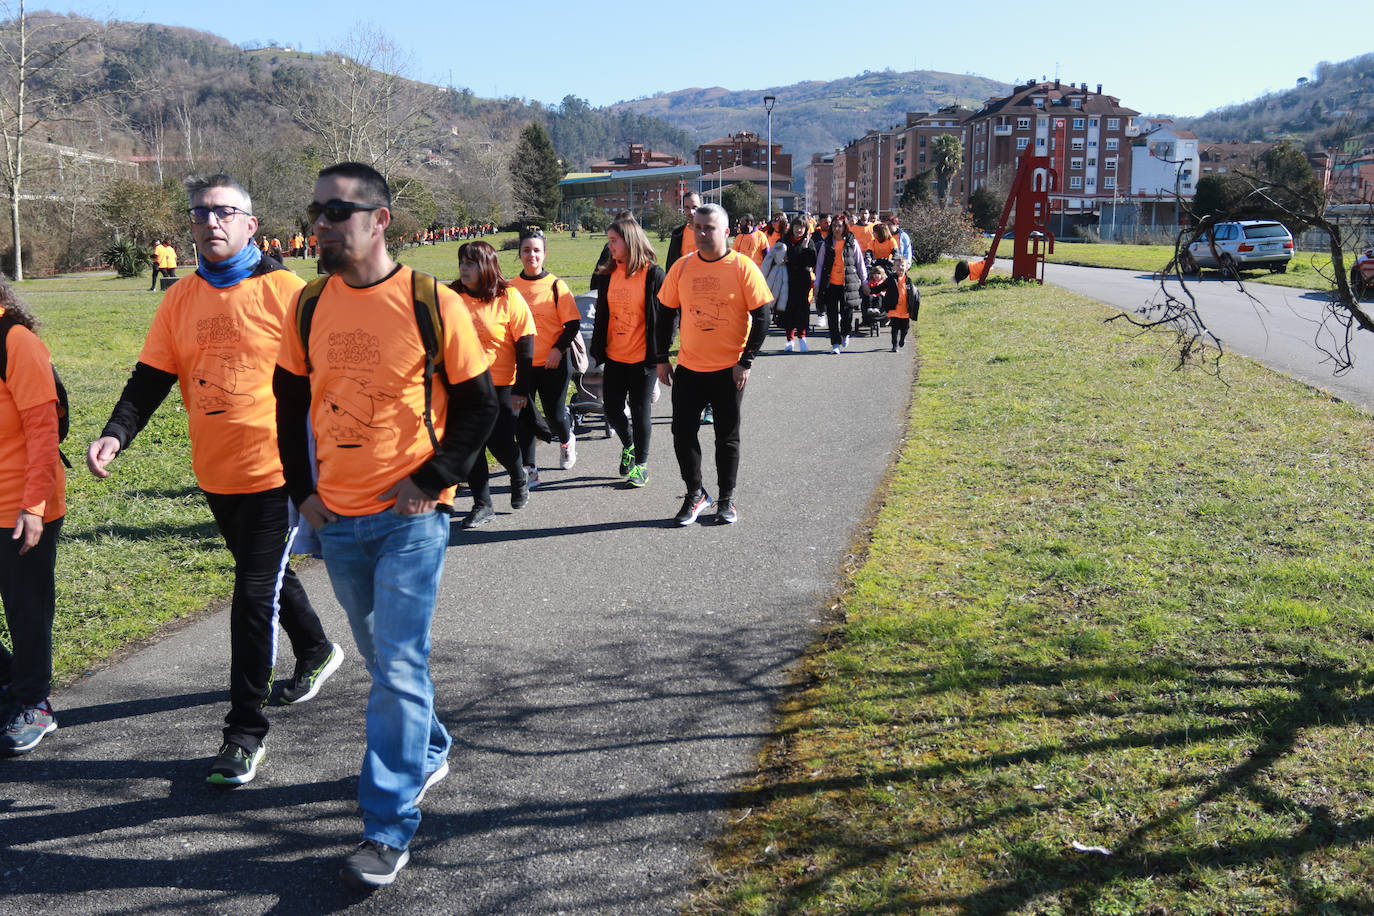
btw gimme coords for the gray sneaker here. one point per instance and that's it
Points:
(374, 864)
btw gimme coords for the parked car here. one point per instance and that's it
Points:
(1247, 244)
(1362, 274)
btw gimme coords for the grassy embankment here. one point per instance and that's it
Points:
(1104, 603)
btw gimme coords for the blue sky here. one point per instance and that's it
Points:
(540, 50)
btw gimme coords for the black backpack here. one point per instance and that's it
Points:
(63, 411)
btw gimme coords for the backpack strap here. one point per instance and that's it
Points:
(6, 323)
(305, 312)
(425, 290)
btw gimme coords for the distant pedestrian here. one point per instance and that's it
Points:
(164, 262)
(33, 489)
(557, 323)
(388, 438)
(723, 302)
(841, 281)
(506, 328)
(902, 300)
(627, 308)
(796, 307)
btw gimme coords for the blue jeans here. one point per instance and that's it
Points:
(385, 570)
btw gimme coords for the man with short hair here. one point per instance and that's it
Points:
(683, 241)
(394, 423)
(723, 301)
(863, 230)
(217, 332)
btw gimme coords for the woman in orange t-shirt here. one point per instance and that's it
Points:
(32, 507)
(506, 328)
(884, 245)
(627, 288)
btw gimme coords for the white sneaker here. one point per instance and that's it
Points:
(532, 475)
(835, 350)
(787, 347)
(801, 344)
(567, 453)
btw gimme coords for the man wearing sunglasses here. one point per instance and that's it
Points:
(217, 332)
(359, 375)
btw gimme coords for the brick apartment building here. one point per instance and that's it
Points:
(820, 174)
(1086, 134)
(638, 195)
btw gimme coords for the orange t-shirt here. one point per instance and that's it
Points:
(500, 323)
(548, 318)
(900, 311)
(625, 316)
(41, 489)
(716, 298)
(883, 249)
(367, 392)
(864, 236)
(752, 245)
(837, 267)
(222, 345)
(689, 241)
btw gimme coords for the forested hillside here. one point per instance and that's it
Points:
(1325, 111)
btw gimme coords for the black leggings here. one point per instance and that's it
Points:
(501, 444)
(633, 382)
(551, 385)
(899, 328)
(28, 590)
(692, 391)
(839, 314)
(266, 590)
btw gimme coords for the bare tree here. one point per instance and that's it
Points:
(1280, 191)
(37, 87)
(362, 107)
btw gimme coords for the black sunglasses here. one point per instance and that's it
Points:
(336, 211)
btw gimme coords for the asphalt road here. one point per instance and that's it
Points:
(608, 680)
(1281, 327)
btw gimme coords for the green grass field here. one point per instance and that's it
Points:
(1104, 603)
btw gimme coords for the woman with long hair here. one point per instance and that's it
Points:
(556, 323)
(33, 489)
(884, 244)
(800, 258)
(506, 328)
(841, 277)
(623, 338)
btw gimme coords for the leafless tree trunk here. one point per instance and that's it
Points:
(32, 73)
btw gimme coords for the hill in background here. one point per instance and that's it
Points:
(816, 116)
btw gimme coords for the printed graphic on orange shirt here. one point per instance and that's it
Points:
(221, 330)
(216, 377)
(352, 404)
(707, 305)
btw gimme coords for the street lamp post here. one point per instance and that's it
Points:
(768, 102)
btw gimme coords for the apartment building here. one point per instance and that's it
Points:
(1086, 134)
(820, 172)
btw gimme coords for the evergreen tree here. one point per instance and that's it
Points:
(535, 172)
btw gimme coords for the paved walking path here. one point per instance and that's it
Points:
(607, 679)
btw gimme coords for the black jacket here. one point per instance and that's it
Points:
(653, 282)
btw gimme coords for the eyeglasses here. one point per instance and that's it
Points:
(201, 215)
(336, 211)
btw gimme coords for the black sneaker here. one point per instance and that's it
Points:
(520, 494)
(308, 680)
(693, 504)
(726, 513)
(627, 460)
(479, 516)
(235, 765)
(374, 864)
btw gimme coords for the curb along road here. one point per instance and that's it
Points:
(608, 681)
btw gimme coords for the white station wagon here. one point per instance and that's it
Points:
(1248, 244)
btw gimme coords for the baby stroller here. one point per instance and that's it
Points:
(587, 408)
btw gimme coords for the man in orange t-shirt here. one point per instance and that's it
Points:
(217, 333)
(723, 299)
(389, 437)
(33, 489)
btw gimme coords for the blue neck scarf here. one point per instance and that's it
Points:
(231, 270)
